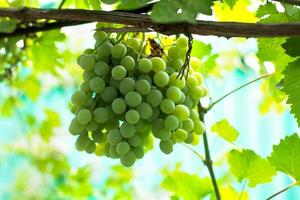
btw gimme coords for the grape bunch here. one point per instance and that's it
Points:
(127, 97)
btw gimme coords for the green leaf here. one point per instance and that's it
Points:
(132, 4)
(8, 25)
(225, 130)
(231, 3)
(200, 49)
(170, 11)
(291, 87)
(187, 186)
(266, 9)
(246, 164)
(292, 46)
(286, 156)
(95, 4)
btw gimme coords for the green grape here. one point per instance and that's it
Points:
(188, 102)
(99, 150)
(188, 125)
(180, 135)
(161, 79)
(109, 94)
(145, 65)
(155, 113)
(199, 127)
(118, 72)
(87, 61)
(135, 141)
(138, 152)
(122, 148)
(104, 50)
(98, 136)
(205, 91)
(174, 52)
(145, 110)
(92, 125)
(91, 148)
(154, 98)
(114, 136)
(107, 150)
(196, 92)
(135, 44)
(145, 77)
(110, 112)
(189, 139)
(133, 99)
(118, 106)
(191, 81)
(128, 159)
(75, 127)
(101, 115)
(128, 63)
(118, 51)
(181, 112)
(127, 130)
(164, 134)
(79, 98)
(82, 142)
(132, 116)
(195, 63)
(182, 43)
(103, 59)
(166, 146)
(182, 98)
(174, 93)
(113, 152)
(167, 106)
(88, 51)
(127, 85)
(84, 116)
(85, 86)
(114, 83)
(100, 37)
(170, 70)
(88, 75)
(101, 69)
(158, 64)
(90, 102)
(177, 81)
(143, 87)
(194, 115)
(177, 64)
(199, 77)
(97, 85)
(171, 122)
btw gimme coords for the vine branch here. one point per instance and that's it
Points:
(225, 29)
(283, 190)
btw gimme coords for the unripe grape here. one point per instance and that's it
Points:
(135, 141)
(132, 116)
(122, 148)
(128, 62)
(177, 64)
(118, 51)
(188, 125)
(182, 43)
(138, 152)
(196, 92)
(166, 146)
(174, 93)
(126, 85)
(97, 85)
(101, 115)
(109, 94)
(118, 72)
(75, 127)
(100, 36)
(191, 81)
(190, 138)
(145, 110)
(98, 136)
(79, 98)
(133, 99)
(135, 44)
(104, 49)
(167, 106)
(180, 135)
(82, 142)
(92, 125)
(128, 159)
(161, 79)
(127, 130)
(154, 98)
(158, 64)
(195, 63)
(181, 112)
(174, 52)
(199, 127)
(143, 87)
(199, 77)
(87, 61)
(84, 116)
(85, 86)
(101, 69)
(114, 136)
(118, 106)
(177, 81)
(145, 65)
(164, 134)
(91, 148)
(155, 113)
(171, 122)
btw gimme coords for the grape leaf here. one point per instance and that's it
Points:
(170, 11)
(200, 49)
(291, 87)
(246, 164)
(229, 193)
(292, 46)
(95, 4)
(286, 156)
(187, 186)
(132, 4)
(230, 3)
(266, 9)
(225, 130)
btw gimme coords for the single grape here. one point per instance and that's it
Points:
(180, 135)
(182, 98)
(158, 64)
(181, 112)
(109, 94)
(199, 127)
(118, 51)
(127, 85)
(177, 64)
(191, 81)
(114, 136)
(170, 70)
(127, 130)
(84, 116)
(195, 63)
(167, 106)
(91, 148)
(104, 49)
(122, 148)
(166, 146)
(161, 79)
(135, 141)
(128, 63)
(190, 138)
(101, 69)
(196, 92)
(176, 81)
(199, 77)
(194, 115)
(164, 134)
(154, 98)
(98, 136)
(188, 125)
(100, 37)
(143, 87)
(118, 72)
(132, 116)
(87, 61)
(113, 152)
(128, 159)
(182, 43)
(97, 85)
(118, 106)
(145, 65)
(174, 93)
(101, 115)
(174, 52)
(135, 44)
(145, 110)
(82, 142)
(75, 127)
(138, 152)
(133, 99)
(85, 86)
(79, 98)
(171, 122)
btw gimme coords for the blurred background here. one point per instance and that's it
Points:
(38, 159)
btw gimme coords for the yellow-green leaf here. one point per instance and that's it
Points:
(225, 130)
